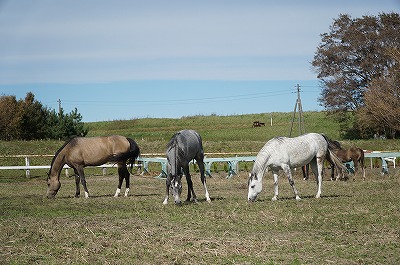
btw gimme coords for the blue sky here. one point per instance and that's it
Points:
(134, 59)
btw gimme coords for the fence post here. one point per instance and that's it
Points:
(27, 163)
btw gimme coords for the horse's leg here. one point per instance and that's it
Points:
(127, 181)
(120, 180)
(189, 183)
(333, 172)
(288, 173)
(200, 163)
(329, 159)
(305, 170)
(275, 174)
(77, 183)
(167, 185)
(317, 165)
(123, 173)
(362, 167)
(355, 162)
(81, 174)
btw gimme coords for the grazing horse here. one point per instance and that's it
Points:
(80, 152)
(282, 153)
(354, 154)
(181, 149)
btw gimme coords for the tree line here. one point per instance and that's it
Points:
(28, 119)
(358, 64)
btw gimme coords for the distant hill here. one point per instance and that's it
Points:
(221, 134)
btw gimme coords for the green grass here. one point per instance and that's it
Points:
(221, 134)
(355, 222)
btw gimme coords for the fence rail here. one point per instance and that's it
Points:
(233, 162)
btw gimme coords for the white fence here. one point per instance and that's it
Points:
(232, 162)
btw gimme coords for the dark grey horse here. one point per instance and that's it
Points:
(183, 147)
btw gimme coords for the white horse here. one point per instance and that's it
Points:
(282, 153)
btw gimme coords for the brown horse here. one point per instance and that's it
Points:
(354, 154)
(80, 152)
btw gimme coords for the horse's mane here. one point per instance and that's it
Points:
(173, 143)
(59, 150)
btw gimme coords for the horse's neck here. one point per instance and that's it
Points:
(174, 160)
(58, 164)
(261, 164)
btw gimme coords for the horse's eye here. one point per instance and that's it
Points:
(252, 186)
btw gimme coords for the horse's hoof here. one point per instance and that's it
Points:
(274, 198)
(298, 198)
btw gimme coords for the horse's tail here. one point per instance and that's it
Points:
(134, 152)
(331, 156)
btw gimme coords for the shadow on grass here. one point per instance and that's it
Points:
(307, 197)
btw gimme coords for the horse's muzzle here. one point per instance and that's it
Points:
(251, 199)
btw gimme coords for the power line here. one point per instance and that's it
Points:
(187, 100)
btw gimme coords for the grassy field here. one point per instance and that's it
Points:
(355, 222)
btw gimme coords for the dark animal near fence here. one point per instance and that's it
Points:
(183, 147)
(258, 124)
(80, 152)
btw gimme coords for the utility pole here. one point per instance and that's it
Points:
(298, 106)
(59, 106)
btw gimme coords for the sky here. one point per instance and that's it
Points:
(168, 58)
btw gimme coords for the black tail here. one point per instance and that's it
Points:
(130, 156)
(134, 152)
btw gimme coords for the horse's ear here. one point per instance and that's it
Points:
(253, 176)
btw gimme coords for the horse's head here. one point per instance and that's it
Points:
(53, 185)
(176, 188)
(255, 186)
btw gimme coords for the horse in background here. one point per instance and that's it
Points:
(183, 147)
(80, 152)
(282, 153)
(354, 154)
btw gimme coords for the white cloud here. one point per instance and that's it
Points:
(84, 41)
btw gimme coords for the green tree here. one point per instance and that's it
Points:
(351, 55)
(64, 126)
(28, 119)
(381, 112)
(10, 118)
(34, 118)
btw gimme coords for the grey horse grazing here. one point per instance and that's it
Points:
(284, 153)
(80, 152)
(181, 149)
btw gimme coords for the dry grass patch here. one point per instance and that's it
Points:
(355, 222)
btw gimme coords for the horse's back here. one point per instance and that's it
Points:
(296, 151)
(97, 150)
(191, 143)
